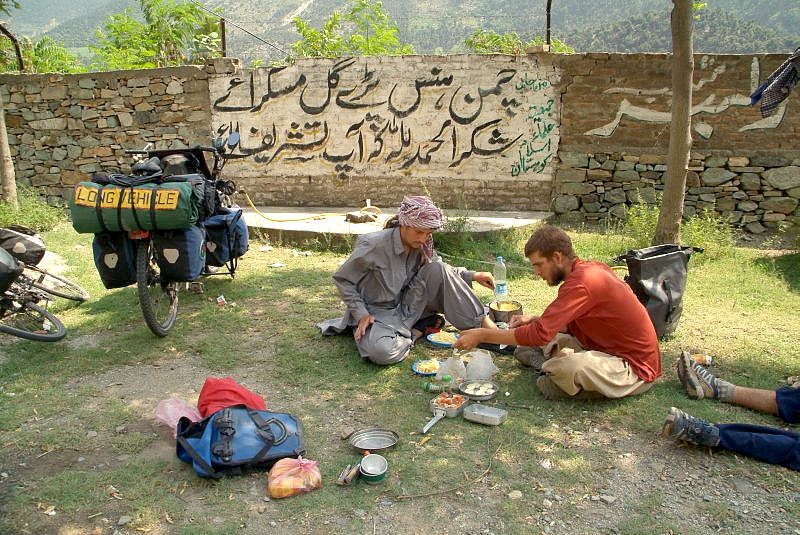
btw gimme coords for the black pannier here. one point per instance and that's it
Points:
(115, 259)
(23, 244)
(227, 238)
(180, 254)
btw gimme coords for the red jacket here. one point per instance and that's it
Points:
(599, 309)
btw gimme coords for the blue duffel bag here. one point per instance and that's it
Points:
(227, 237)
(238, 437)
(180, 254)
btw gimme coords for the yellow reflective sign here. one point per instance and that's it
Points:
(136, 198)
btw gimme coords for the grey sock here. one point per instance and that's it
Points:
(725, 390)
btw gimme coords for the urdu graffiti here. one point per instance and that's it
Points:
(709, 105)
(379, 116)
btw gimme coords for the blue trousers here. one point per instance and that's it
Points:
(768, 444)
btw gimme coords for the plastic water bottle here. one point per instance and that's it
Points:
(500, 284)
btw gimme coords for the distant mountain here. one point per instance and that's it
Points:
(441, 26)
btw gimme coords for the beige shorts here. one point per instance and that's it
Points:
(574, 369)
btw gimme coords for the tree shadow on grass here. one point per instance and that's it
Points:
(786, 266)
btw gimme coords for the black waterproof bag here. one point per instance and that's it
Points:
(657, 275)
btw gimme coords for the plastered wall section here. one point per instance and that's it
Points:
(477, 132)
(63, 128)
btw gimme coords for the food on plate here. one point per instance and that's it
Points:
(479, 389)
(443, 337)
(428, 366)
(449, 400)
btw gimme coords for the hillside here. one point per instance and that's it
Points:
(441, 26)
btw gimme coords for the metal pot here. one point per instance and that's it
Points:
(502, 312)
(373, 468)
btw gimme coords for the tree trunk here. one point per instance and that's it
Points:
(680, 136)
(17, 51)
(9, 180)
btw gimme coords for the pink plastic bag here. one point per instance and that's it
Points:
(170, 410)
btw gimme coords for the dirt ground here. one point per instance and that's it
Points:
(690, 492)
(695, 494)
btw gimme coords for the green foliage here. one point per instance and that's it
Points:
(46, 55)
(7, 5)
(488, 42)
(172, 34)
(705, 230)
(371, 34)
(33, 212)
(640, 225)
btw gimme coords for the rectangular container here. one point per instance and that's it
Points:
(450, 412)
(483, 414)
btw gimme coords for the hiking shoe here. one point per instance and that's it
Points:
(530, 356)
(552, 392)
(698, 382)
(680, 426)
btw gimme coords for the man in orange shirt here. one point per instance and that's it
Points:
(596, 337)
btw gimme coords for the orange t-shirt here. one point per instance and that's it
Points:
(599, 309)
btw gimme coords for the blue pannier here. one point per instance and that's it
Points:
(115, 259)
(227, 238)
(180, 253)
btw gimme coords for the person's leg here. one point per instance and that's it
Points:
(384, 345)
(439, 288)
(530, 356)
(768, 444)
(576, 372)
(700, 383)
(788, 400)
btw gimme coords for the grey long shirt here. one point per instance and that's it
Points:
(372, 280)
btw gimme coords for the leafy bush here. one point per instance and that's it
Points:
(710, 232)
(640, 225)
(33, 212)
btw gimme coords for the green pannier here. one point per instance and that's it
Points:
(102, 208)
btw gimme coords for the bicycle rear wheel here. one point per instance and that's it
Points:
(32, 322)
(157, 297)
(55, 284)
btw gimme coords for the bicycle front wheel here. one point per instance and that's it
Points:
(32, 322)
(157, 297)
(55, 284)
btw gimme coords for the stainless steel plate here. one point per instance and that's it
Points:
(373, 439)
(491, 391)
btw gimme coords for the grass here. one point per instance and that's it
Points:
(741, 306)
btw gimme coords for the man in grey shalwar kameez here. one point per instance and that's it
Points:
(393, 278)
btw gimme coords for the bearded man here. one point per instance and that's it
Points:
(594, 341)
(394, 285)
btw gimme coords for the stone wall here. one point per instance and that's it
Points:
(473, 131)
(63, 128)
(615, 134)
(584, 135)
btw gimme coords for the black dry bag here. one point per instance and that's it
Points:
(657, 276)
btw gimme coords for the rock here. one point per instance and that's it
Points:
(91, 434)
(124, 520)
(783, 205)
(515, 494)
(715, 176)
(783, 178)
(547, 504)
(607, 499)
(755, 228)
(565, 203)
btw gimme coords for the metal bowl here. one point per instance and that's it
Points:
(373, 468)
(463, 386)
(504, 316)
(373, 439)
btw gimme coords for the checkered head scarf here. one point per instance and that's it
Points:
(418, 211)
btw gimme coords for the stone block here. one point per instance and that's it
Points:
(565, 203)
(738, 161)
(576, 188)
(716, 161)
(570, 174)
(628, 175)
(750, 181)
(714, 176)
(615, 196)
(574, 159)
(773, 216)
(783, 205)
(755, 228)
(747, 206)
(726, 204)
(769, 161)
(783, 178)
(653, 159)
